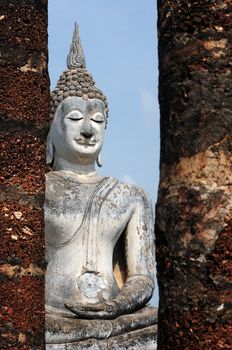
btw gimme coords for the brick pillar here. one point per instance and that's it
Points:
(194, 209)
(24, 111)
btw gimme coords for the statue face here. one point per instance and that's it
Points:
(77, 131)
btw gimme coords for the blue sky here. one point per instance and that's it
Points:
(120, 44)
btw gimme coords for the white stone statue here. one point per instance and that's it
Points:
(99, 231)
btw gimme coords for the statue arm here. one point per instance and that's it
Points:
(139, 286)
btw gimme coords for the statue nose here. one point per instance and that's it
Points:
(87, 134)
(87, 131)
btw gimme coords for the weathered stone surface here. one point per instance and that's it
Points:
(23, 303)
(194, 209)
(142, 339)
(20, 86)
(23, 24)
(195, 68)
(23, 155)
(24, 111)
(22, 239)
(85, 216)
(77, 330)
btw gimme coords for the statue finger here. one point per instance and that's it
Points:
(95, 307)
(75, 308)
(94, 314)
(80, 308)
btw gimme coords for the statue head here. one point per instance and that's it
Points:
(79, 111)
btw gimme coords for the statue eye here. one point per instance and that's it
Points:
(72, 118)
(98, 118)
(75, 116)
(98, 121)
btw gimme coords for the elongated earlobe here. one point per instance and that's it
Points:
(49, 150)
(99, 161)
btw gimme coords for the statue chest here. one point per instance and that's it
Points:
(65, 208)
(84, 213)
(82, 225)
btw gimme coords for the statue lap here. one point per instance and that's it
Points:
(132, 331)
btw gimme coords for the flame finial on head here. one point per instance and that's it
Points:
(76, 58)
(76, 80)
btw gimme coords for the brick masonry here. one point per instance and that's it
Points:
(194, 209)
(24, 112)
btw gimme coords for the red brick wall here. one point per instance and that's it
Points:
(24, 112)
(194, 210)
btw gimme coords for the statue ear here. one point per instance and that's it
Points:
(99, 161)
(50, 150)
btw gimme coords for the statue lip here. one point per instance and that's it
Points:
(86, 143)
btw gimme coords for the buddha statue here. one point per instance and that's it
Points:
(98, 230)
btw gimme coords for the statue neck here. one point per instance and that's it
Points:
(81, 169)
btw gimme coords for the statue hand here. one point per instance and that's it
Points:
(135, 293)
(107, 310)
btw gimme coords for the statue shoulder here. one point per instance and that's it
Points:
(136, 193)
(50, 178)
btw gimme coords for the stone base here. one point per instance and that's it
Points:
(142, 339)
(136, 331)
